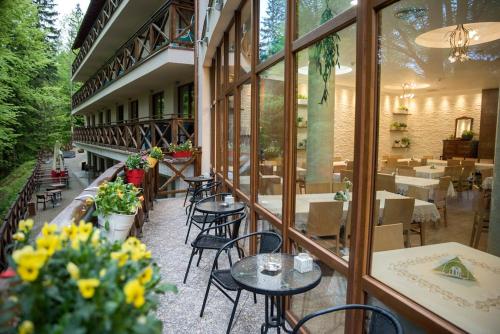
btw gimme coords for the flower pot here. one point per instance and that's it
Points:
(182, 154)
(152, 162)
(135, 176)
(119, 226)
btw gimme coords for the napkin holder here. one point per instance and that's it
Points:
(303, 263)
(229, 200)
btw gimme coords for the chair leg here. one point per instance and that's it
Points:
(255, 298)
(187, 234)
(233, 312)
(199, 258)
(206, 296)
(445, 214)
(189, 264)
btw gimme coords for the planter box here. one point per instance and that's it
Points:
(135, 176)
(119, 226)
(185, 154)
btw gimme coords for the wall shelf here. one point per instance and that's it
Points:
(401, 113)
(398, 130)
(400, 147)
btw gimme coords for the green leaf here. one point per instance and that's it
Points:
(162, 288)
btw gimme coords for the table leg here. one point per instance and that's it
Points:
(271, 320)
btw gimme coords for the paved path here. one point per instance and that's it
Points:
(164, 234)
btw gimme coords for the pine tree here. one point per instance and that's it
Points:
(74, 20)
(47, 16)
(272, 33)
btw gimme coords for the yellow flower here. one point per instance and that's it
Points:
(121, 257)
(134, 293)
(26, 327)
(73, 270)
(29, 262)
(89, 201)
(131, 244)
(119, 194)
(96, 237)
(49, 243)
(140, 252)
(87, 287)
(84, 230)
(19, 236)
(103, 186)
(26, 225)
(69, 232)
(49, 229)
(102, 272)
(146, 275)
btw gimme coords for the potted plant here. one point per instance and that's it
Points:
(405, 142)
(467, 135)
(116, 205)
(154, 155)
(300, 121)
(403, 108)
(183, 150)
(402, 126)
(135, 167)
(397, 143)
(71, 280)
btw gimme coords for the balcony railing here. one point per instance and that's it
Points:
(137, 135)
(171, 26)
(102, 20)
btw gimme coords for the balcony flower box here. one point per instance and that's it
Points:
(181, 151)
(135, 167)
(182, 154)
(135, 176)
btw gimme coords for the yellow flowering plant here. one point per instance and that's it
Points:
(72, 280)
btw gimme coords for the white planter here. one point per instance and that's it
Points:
(119, 226)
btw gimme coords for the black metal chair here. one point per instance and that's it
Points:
(270, 242)
(201, 219)
(380, 322)
(223, 232)
(200, 193)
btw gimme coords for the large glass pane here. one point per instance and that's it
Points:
(271, 131)
(271, 27)
(437, 216)
(325, 137)
(246, 38)
(222, 65)
(245, 140)
(230, 136)
(313, 13)
(231, 49)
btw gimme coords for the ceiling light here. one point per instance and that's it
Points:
(407, 90)
(412, 85)
(339, 70)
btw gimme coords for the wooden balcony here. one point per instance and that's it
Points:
(172, 26)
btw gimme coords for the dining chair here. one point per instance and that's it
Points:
(346, 174)
(486, 173)
(423, 162)
(465, 182)
(318, 188)
(380, 321)
(209, 188)
(486, 161)
(471, 159)
(402, 164)
(349, 165)
(418, 193)
(428, 157)
(392, 162)
(388, 170)
(407, 171)
(324, 220)
(386, 182)
(400, 210)
(347, 226)
(414, 163)
(480, 222)
(269, 242)
(223, 231)
(453, 162)
(441, 196)
(454, 172)
(388, 237)
(469, 163)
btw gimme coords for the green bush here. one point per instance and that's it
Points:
(12, 184)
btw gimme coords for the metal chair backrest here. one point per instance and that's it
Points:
(381, 321)
(204, 190)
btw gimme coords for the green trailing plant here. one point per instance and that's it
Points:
(136, 161)
(327, 54)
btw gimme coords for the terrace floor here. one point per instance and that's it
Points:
(164, 235)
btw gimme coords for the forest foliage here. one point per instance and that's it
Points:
(35, 85)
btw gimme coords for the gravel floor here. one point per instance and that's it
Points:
(164, 234)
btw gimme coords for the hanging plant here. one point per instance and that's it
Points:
(326, 53)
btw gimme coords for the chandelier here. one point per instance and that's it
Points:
(460, 39)
(407, 91)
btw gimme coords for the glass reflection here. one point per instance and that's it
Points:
(313, 13)
(245, 139)
(230, 136)
(271, 28)
(246, 38)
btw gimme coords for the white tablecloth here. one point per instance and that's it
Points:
(488, 183)
(481, 166)
(472, 306)
(428, 172)
(424, 211)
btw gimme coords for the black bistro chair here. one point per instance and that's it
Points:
(210, 188)
(214, 237)
(200, 219)
(380, 321)
(270, 242)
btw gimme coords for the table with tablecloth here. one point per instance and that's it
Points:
(429, 172)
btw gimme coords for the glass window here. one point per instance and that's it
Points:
(230, 137)
(313, 13)
(438, 107)
(219, 135)
(134, 110)
(108, 116)
(231, 49)
(325, 137)
(221, 68)
(271, 28)
(246, 38)
(101, 118)
(245, 139)
(119, 117)
(157, 105)
(271, 133)
(186, 100)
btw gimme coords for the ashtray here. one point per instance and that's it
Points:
(272, 266)
(224, 204)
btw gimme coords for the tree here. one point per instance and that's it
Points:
(272, 33)
(47, 16)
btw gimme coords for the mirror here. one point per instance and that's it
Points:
(462, 124)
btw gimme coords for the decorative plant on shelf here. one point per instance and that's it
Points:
(403, 108)
(71, 280)
(136, 165)
(183, 150)
(405, 142)
(397, 143)
(467, 135)
(302, 97)
(300, 121)
(154, 155)
(116, 205)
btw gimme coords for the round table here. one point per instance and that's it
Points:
(194, 182)
(250, 275)
(219, 207)
(58, 185)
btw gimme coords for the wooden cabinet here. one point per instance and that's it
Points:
(460, 148)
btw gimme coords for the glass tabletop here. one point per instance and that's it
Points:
(198, 179)
(250, 274)
(219, 207)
